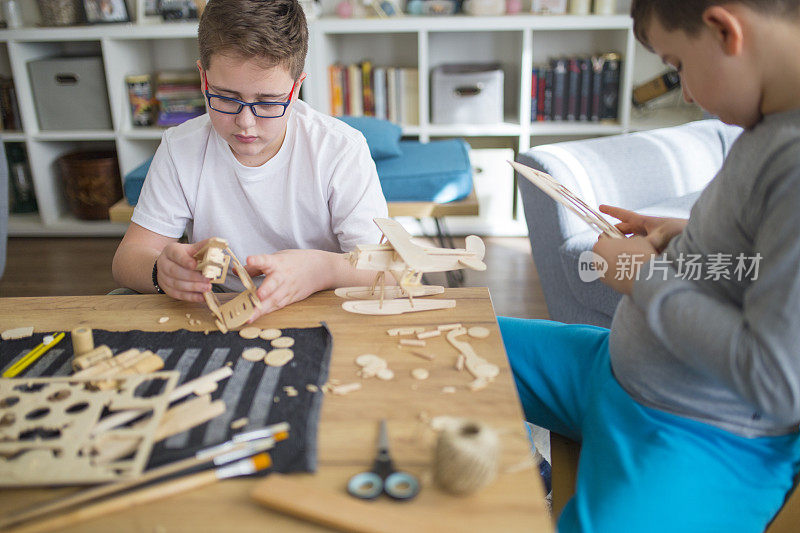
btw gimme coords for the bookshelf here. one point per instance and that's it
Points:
(518, 42)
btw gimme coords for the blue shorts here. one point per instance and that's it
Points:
(641, 469)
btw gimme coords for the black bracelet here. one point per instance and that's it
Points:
(159, 290)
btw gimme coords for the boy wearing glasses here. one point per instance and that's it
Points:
(289, 188)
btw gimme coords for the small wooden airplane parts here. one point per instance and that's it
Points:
(548, 185)
(407, 260)
(213, 261)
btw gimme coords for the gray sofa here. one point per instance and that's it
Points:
(659, 172)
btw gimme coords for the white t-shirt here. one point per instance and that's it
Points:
(320, 191)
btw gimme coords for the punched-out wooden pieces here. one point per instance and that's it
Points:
(448, 390)
(475, 365)
(278, 357)
(478, 332)
(250, 332)
(163, 319)
(429, 334)
(17, 333)
(269, 334)
(372, 365)
(347, 388)
(385, 374)
(310, 387)
(420, 373)
(448, 327)
(92, 357)
(394, 332)
(254, 354)
(82, 340)
(290, 391)
(283, 342)
(239, 423)
(369, 359)
(412, 342)
(478, 384)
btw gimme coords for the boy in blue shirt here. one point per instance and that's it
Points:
(688, 407)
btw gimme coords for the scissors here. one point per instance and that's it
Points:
(383, 477)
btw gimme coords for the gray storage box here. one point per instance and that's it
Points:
(467, 94)
(70, 93)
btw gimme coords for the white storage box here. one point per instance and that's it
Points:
(467, 94)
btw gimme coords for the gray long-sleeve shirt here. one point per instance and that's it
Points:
(725, 351)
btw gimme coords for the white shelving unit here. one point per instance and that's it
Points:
(517, 41)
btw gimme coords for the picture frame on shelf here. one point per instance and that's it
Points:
(106, 11)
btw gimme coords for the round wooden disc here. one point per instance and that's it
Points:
(269, 334)
(279, 357)
(254, 354)
(420, 373)
(369, 359)
(250, 332)
(385, 374)
(283, 342)
(478, 332)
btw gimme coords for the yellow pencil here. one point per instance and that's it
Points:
(31, 357)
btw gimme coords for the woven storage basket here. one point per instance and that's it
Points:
(92, 183)
(60, 12)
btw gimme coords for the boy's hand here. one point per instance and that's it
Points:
(658, 230)
(290, 276)
(177, 275)
(625, 258)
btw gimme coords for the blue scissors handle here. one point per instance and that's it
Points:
(383, 477)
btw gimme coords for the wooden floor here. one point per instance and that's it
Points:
(78, 266)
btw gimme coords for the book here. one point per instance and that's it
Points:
(559, 66)
(336, 89)
(597, 84)
(540, 99)
(534, 92)
(368, 99)
(573, 88)
(379, 90)
(392, 104)
(355, 91)
(585, 98)
(609, 97)
(410, 96)
(547, 101)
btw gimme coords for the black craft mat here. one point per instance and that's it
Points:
(249, 392)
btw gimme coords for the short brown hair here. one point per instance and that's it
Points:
(273, 31)
(687, 15)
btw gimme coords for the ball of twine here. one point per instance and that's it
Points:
(466, 457)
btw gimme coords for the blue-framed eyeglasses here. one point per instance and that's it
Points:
(232, 106)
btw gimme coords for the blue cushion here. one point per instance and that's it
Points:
(438, 171)
(383, 137)
(134, 180)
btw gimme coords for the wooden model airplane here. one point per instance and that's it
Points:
(407, 260)
(548, 185)
(213, 260)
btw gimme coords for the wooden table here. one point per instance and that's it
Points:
(348, 426)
